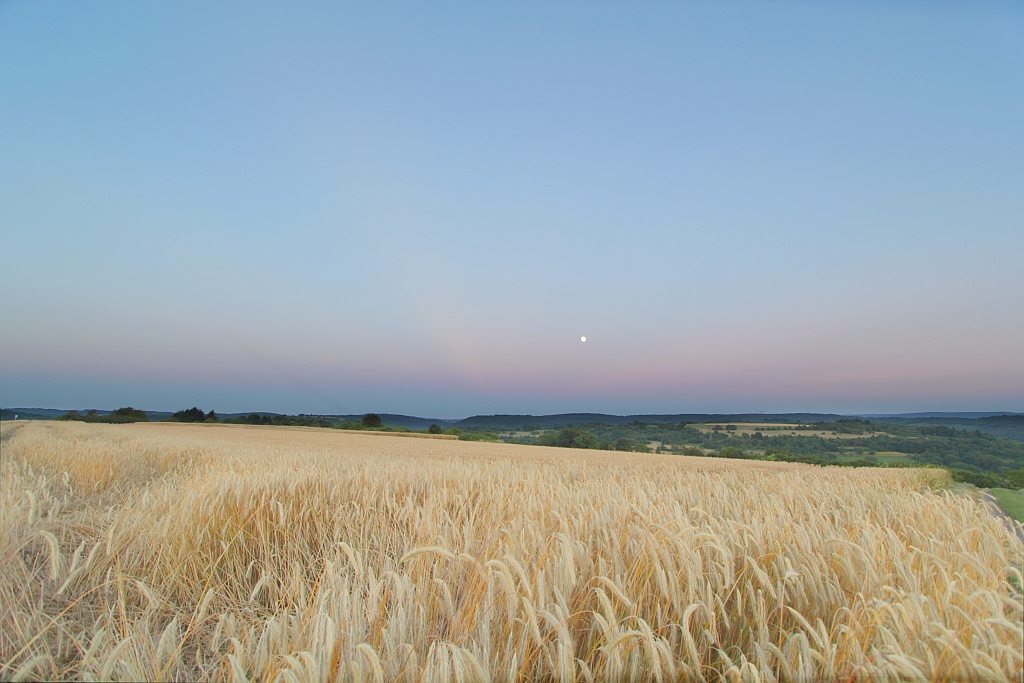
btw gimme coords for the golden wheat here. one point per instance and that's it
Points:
(235, 553)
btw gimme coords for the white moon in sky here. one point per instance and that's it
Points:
(583, 339)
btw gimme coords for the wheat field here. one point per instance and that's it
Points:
(214, 552)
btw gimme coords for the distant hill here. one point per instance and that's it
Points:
(916, 416)
(1002, 425)
(482, 422)
(30, 413)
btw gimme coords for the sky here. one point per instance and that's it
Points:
(420, 208)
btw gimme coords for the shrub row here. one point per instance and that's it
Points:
(119, 416)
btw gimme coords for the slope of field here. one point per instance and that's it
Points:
(215, 552)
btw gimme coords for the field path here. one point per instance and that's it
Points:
(8, 430)
(996, 510)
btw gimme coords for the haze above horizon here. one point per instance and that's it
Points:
(422, 209)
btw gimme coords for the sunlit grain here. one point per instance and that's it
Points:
(244, 553)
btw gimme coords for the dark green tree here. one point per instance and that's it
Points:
(574, 437)
(371, 420)
(434, 429)
(547, 440)
(131, 413)
(193, 414)
(979, 479)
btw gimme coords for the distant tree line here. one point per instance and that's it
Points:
(119, 416)
(577, 437)
(193, 414)
(280, 420)
(369, 422)
(1013, 479)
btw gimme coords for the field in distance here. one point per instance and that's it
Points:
(741, 428)
(226, 552)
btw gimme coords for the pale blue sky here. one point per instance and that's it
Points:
(419, 208)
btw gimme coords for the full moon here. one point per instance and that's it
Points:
(583, 339)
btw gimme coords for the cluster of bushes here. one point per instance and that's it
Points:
(1014, 479)
(193, 414)
(280, 420)
(253, 419)
(370, 422)
(577, 437)
(359, 426)
(570, 437)
(779, 455)
(473, 436)
(119, 416)
(773, 455)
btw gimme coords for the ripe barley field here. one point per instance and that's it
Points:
(214, 552)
